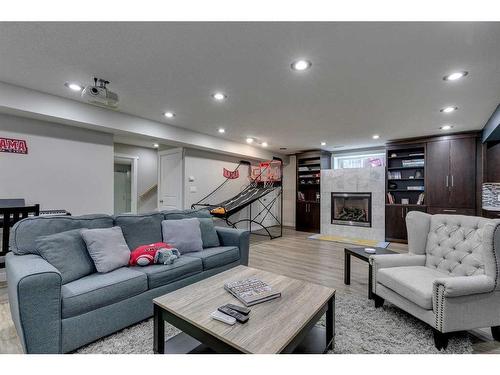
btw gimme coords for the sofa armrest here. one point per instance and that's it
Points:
(34, 288)
(236, 237)
(464, 285)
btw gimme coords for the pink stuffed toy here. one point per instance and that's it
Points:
(146, 254)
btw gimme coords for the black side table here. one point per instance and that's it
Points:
(359, 252)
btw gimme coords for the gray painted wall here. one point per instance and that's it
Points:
(147, 172)
(65, 168)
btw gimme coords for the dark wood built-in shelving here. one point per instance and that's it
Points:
(307, 216)
(448, 177)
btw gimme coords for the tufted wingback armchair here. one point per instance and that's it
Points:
(450, 277)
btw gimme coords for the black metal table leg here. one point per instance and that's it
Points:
(370, 281)
(159, 331)
(330, 323)
(347, 267)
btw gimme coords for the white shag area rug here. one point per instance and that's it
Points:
(360, 329)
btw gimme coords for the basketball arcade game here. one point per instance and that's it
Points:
(265, 178)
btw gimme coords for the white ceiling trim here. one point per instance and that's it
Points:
(34, 104)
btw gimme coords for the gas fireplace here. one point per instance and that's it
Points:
(353, 209)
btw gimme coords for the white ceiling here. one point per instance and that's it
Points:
(366, 78)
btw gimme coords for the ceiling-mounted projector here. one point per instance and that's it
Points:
(100, 95)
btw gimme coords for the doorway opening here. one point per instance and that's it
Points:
(125, 184)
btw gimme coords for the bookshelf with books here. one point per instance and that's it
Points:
(309, 166)
(405, 187)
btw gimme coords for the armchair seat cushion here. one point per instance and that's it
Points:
(162, 274)
(101, 289)
(412, 283)
(217, 256)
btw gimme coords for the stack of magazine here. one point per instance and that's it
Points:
(251, 291)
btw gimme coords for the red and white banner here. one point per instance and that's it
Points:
(232, 175)
(16, 146)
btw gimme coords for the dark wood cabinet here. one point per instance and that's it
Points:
(438, 166)
(451, 174)
(451, 211)
(463, 173)
(395, 221)
(395, 229)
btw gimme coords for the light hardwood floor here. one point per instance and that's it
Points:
(293, 255)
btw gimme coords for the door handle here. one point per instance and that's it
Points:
(447, 181)
(161, 200)
(448, 210)
(452, 181)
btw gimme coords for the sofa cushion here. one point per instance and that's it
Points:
(209, 235)
(162, 274)
(25, 232)
(101, 289)
(67, 252)
(107, 248)
(184, 234)
(217, 256)
(185, 214)
(413, 283)
(140, 229)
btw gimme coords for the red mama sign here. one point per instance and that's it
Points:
(16, 146)
(232, 175)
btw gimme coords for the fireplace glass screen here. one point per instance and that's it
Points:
(352, 209)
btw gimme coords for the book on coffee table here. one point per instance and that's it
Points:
(251, 291)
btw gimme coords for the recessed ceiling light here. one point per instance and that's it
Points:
(323, 143)
(221, 130)
(156, 145)
(301, 65)
(249, 140)
(219, 96)
(455, 75)
(375, 136)
(446, 127)
(73, 86)
(264, 144)
(169, 114)
(448, 109)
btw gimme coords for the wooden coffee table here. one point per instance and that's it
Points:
(282, 325)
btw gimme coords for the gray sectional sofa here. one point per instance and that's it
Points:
(51, 317)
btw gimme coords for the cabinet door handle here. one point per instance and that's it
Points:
(447, 181)
(452, 181)
(402, 215)
(449, 210)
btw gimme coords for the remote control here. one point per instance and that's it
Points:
(235, 314)
(241, 309)
(220, 316)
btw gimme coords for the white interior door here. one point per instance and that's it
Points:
(170, 179)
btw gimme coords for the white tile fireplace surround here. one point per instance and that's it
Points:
(358, 180)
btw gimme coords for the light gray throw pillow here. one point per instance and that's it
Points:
(67, 252)
(185, 234)
(107, 248)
